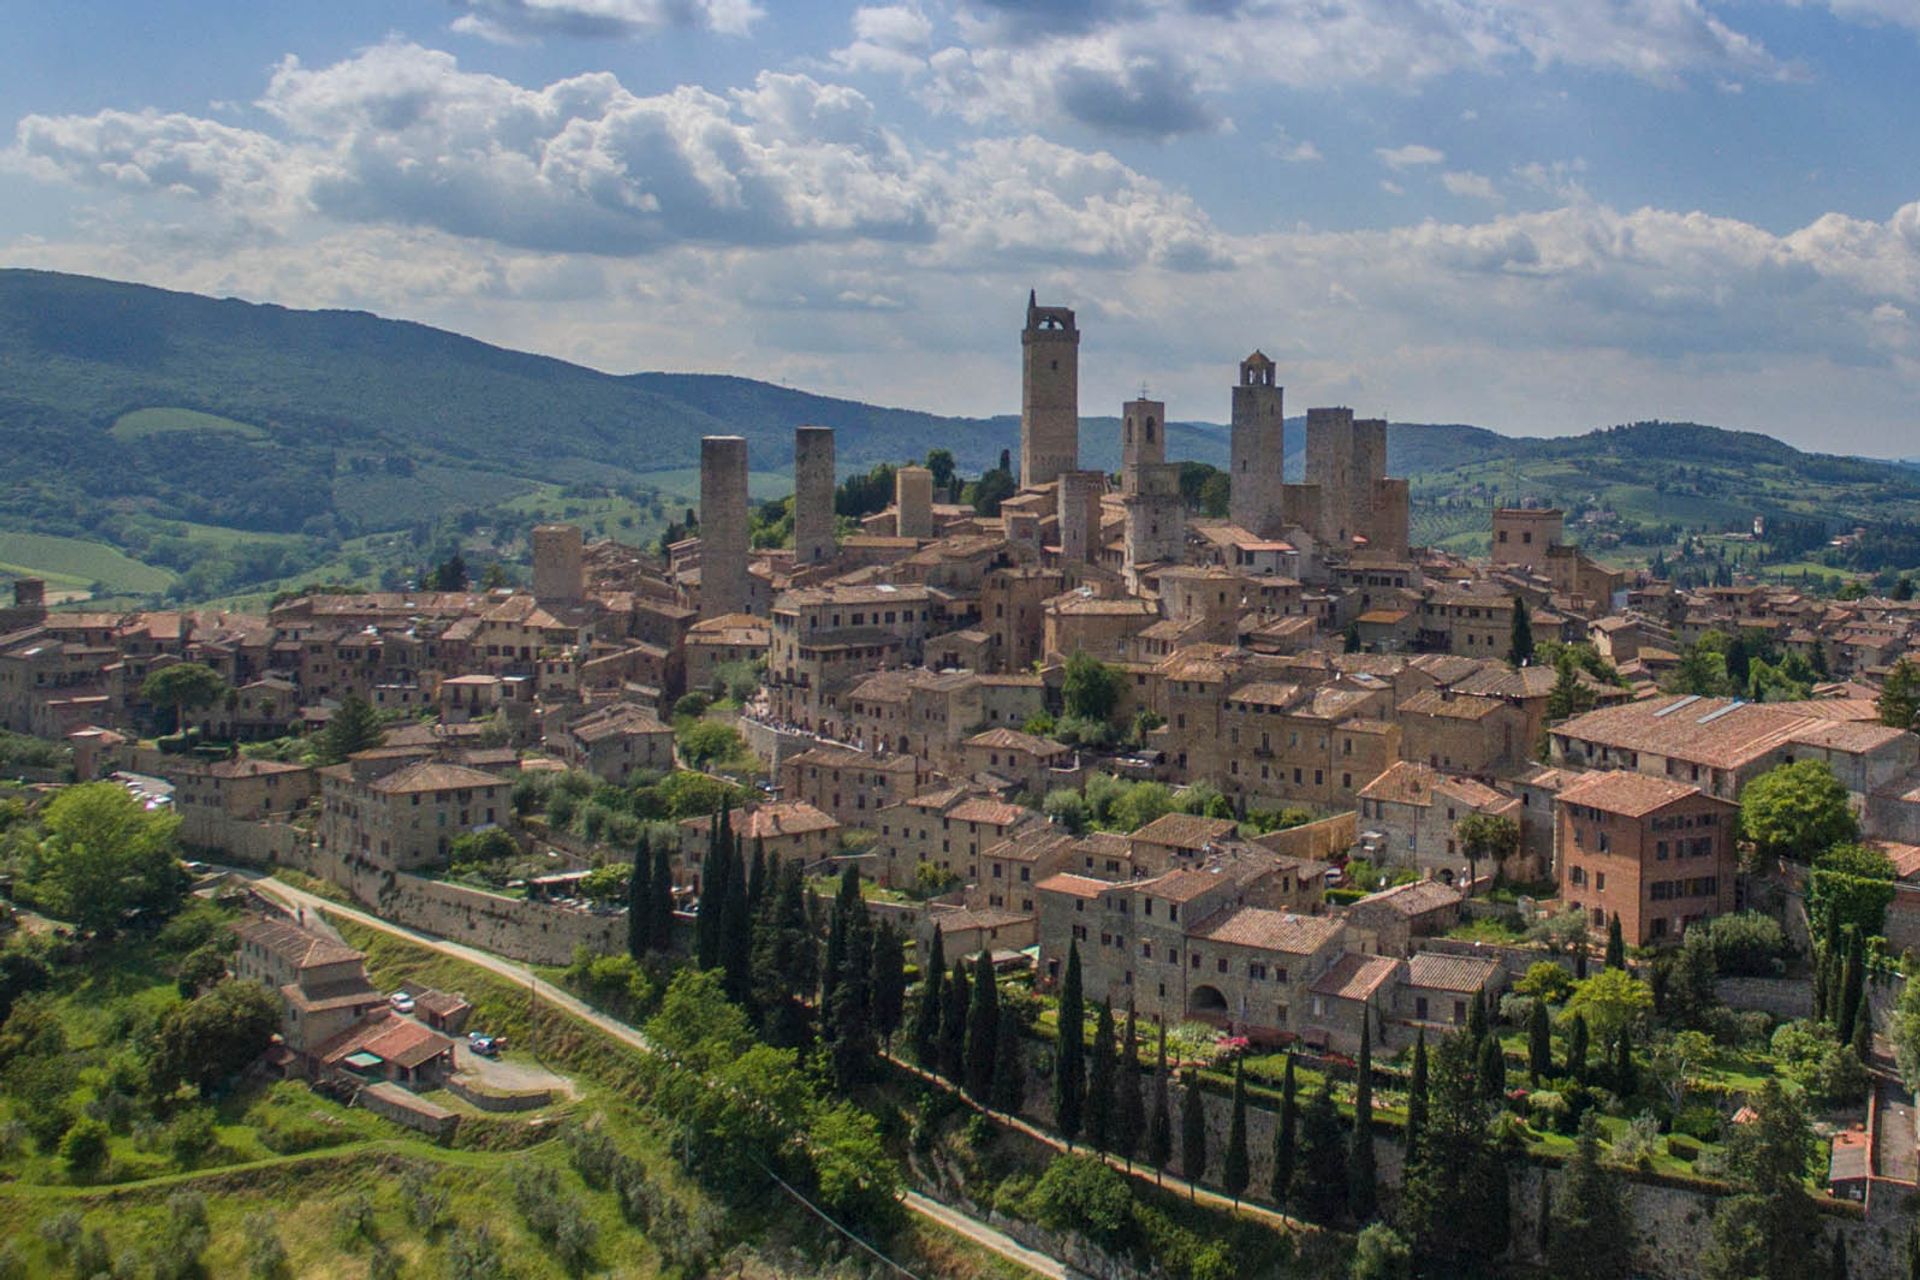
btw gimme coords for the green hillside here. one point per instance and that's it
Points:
(163, 442)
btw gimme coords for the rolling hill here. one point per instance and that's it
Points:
(182, 430)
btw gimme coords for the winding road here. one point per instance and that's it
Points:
(306, 903)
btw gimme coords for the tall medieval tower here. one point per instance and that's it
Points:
(813, 483)
(1049, 394)
(1258, 450)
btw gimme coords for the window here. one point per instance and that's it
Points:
(1222, 963)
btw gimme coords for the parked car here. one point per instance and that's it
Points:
(401, 1002)
(485, 1046)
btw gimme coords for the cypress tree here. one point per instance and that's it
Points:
(1361, 1192)
(736, 944)
(1454, 1199)
(757, 878)
(1100, 1081)
(1593, 1236)
(850, 1010)
(1539, 1043)
(1009, 1064)
(1319, 1189)
(889, 982)
(1616, 944)
(1160, 1122)
(1520, 645)
(926, 1025)
(954, 1008)
(713, 897)
(1863, 1033)
(1577, 1048)
(1580, 963)
(1130, 1111)
(639, 903)
(1624, 1079)
(1069, 1072)
(1234, 1168)
(1913, 1250)
(1193, 1130)
(1492, 1069)
(1477, 1020)
(1837, 1260)
(1852, 983)
(661, 931)
(1416, 1098)
(983, 1025)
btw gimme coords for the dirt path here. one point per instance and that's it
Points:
(978, 1232)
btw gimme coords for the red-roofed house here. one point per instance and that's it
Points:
(1658, 854)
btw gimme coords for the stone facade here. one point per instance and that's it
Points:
(1258, 450)
(559, 573)
(813, 485)
(1658, 854)
(1049, 394)
(723, 526)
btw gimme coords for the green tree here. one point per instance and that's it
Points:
(1520, 643)
(1160, 1119)
(1350, 638)
(1904, 1030)
(1851, 885)
(1592, 1226)
(940, 463)
(84, 1147)
(102, 855)
(1285, 1133)
(1381, 1253)
(1570, 695)
(1069, 1070)
(1319, 1190)
(1236, 1169)
(1486, 837)
(660, 905)
(639, 904)
(1492, 1069)
(354, 726)
(204, 1041)
(1091, 689)
(956, 1004)
(1764, 1231)
(1539, 1042)
(1899, 702)
(1701, 671)
(1454, 1196)
(1100, 1081)
(1193, 1130)
(928, 1020)
(703, 742)
(1010, 1064)
(1616, 944)
(1361, 1189)
(1130, 1112)
(1796, 811)
(1609, 1002)
(889, 982)
(983, 1028)
(181, 687)
(855, 1176)
(1417, 1101)
(1577, 1047)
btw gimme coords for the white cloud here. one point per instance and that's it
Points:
(519, 21)
(1413, 155)
(888, 38)
(1470, 185)
(1294, 151)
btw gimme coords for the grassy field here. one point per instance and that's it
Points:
(684, 483)
(163, 421)
(77, 562)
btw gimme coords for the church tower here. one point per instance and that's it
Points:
(1049, 394)
(1259, 448)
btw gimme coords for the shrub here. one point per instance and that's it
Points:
(1747, 944)
(1517, 1010)
(1635, 1143)
(1699, 1121)
(84, 1147)
(1545, 980)
(1083, 1193)
(1682, 1148)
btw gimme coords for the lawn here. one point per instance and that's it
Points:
(142, 423)
(77, 562)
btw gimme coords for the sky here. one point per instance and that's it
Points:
(1539, 216)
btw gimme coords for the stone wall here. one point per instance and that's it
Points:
(1781, 997)
(396, 1104)
(459, 1087)
(1317, 841)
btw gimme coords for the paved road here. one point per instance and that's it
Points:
(980, 1233)
(1893, 1147)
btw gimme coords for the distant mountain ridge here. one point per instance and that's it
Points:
(132, 399)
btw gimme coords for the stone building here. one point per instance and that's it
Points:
(408, 817)
(1522, 536)
(559, 570)
(852, 786)
(1658, 854)
(322, 984)
(786, 830)
(1049, 394)
(1257, 451)
(617, 742)
(723, 526)
(949, 829)
(913, 502)
(814, 481)
(1409, 817)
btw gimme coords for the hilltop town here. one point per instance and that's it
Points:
(1280, 774)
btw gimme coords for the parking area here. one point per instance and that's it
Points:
(508, 1074)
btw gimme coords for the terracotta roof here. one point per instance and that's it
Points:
(1626, 793)
(1451, 973)
(1186, 830)
(995, 813)
(1355, 976)
(1413, 899)
(293, 944)
(1073, 885)
(1013, 740)
(1462, 706)
(431, 776)
(1719, 732)
(1268, 930)
(769, 821)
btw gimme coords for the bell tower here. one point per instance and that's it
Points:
(1049, 394)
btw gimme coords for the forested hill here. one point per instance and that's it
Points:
(123, 405)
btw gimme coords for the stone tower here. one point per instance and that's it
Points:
(723, 525)
(1143, 440)
(1049, 394)
(559, 575)
(813, 481)
(1080, 515)
(913, 502)
(1347, 464)
(1259, 449)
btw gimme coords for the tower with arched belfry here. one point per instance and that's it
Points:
(1049, 394)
